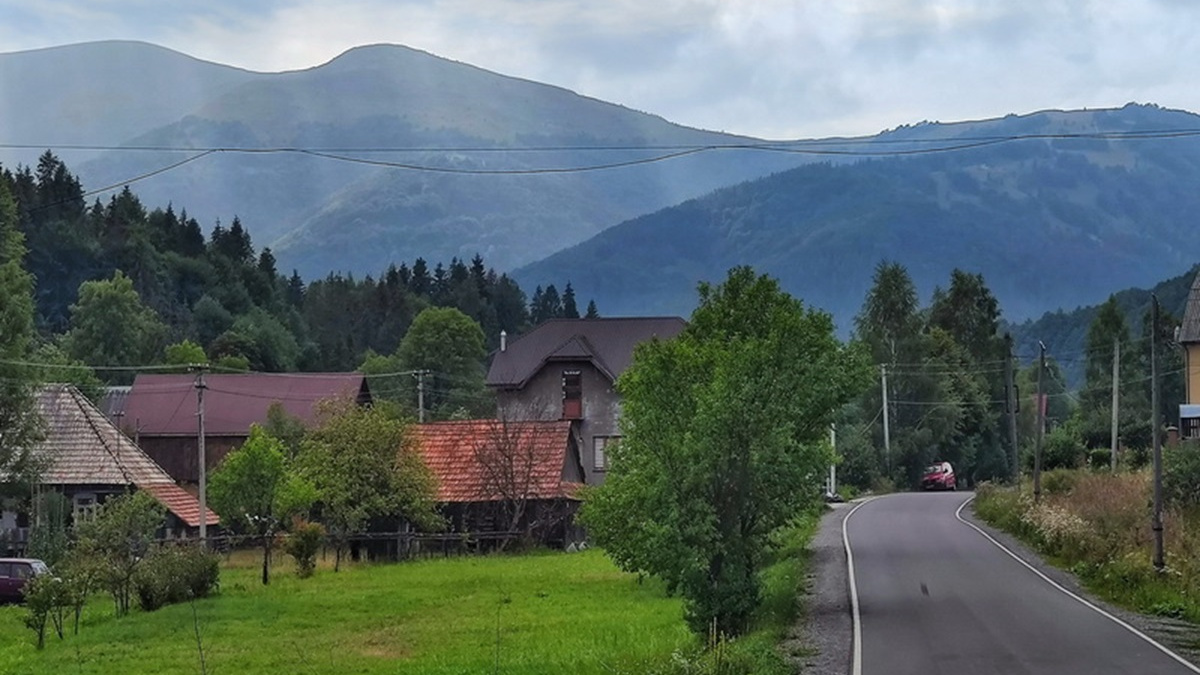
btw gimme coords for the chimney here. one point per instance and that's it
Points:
(503, 340)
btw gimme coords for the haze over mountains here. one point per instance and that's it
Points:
(1056, 220)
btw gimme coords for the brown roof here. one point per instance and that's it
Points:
(1189, 327)
(83, 448)
(165, 405)
(540, 458)
(607, 343)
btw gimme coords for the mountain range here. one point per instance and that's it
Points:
(386, 154)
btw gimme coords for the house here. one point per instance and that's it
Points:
(87, 460)
(566, 369)
(1189, 338)
(505, 476)
(161, 411)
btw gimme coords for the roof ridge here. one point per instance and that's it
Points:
(83, 406)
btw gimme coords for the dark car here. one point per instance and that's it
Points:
(15, 573)
(939, 476)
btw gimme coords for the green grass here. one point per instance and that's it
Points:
(551, 612)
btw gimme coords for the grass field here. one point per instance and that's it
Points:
(538, 613)
(530, 614)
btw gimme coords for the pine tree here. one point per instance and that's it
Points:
(569, 309)
(591, 311)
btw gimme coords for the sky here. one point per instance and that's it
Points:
(766, 68)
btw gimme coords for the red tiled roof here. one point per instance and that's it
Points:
(468, 457)
(607, 342)
(83, 448)
(165, 405)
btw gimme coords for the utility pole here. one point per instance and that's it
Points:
(1156, 522)
(200, 458)
(1116, 397)
(1041, 426)
(421, 395)
(1011, 390)
(833, 464)
(887, 442)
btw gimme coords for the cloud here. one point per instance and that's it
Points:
(774, 68)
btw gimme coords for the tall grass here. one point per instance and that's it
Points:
(1098, 525)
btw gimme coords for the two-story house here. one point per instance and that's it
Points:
(567, 369)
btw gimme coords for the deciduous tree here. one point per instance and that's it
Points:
(724, 429)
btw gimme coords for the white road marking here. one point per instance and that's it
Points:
(1014, 556)
(856, 618)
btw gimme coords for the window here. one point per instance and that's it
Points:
(85, 508)
(572, 395)
(1191, 427)
(600, 448)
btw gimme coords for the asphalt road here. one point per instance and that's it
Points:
(934, 595)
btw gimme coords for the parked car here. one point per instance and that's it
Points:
(939, 476)
(15, 573)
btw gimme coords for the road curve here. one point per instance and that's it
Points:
(936, 596)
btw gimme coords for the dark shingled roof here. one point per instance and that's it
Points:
(1189, 328)
(165, 405)
(83, 448)
(607, 342)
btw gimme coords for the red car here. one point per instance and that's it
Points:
(939, 476)
(14, 573)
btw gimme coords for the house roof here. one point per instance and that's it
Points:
(1189, 327)
(457, 451)
(165, 405)
(83, 448)
(607, 342)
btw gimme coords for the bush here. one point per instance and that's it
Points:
(1181, 474)
(1100, 459)
(43, 602)
(303, 544)
(174, 574)
(1058, 481)
(1063, 448)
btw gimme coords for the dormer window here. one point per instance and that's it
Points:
(572, 395)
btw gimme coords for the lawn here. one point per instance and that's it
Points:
(537, 613)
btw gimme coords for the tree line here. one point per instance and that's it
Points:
(116, 284)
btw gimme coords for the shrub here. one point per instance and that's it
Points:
(1100, 459)
(45, 600)
(175, 574)
(303, 544)
(1058, 482)
(1181, 475)
(1063, 448)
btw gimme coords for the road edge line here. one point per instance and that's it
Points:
(855, 616)
(1086, 603)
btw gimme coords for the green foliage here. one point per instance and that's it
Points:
(184, 353)
(48, 538)
(303, 544)
(111, 326)
(118, 539)
(362, 465)
(724, 441)
(44, 599)
(1181, 474)
(1063, 448)
(176, 573)
(450, 345)
(254, 491)
(55, 366)
(1099, 459)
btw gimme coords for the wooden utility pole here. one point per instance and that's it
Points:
(200, 458)
(421, 395)
(887, 442)
(1010, 388)
(1156, 520)
(1041, 425)
(1116, 397)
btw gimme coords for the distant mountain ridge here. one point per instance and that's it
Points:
(371, 105)
(1076, 210)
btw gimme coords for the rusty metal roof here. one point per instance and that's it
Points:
(83, 448)
(607, 342)
(465, 457)
(165, 405)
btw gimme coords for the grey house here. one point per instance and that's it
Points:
(565, 369)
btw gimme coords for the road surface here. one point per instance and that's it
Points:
(934, 595)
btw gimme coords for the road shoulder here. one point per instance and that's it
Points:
(820, 641)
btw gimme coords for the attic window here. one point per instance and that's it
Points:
(572, 395)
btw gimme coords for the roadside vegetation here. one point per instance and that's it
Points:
(1097, 524)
